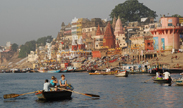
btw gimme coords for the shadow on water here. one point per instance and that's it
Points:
(51, 101)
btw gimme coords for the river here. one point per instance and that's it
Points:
(115, 92)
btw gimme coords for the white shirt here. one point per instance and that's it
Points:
(46, 86)
(157, 74)
(167, 74)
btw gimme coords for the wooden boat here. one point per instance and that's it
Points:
(79, 70)
(162, 80)
(179, 82)
(53, 71)
(53, 95)
(42, 71)
(122, 74)
(63, 70)
(97, 73)
(70, 69)
(109, 73)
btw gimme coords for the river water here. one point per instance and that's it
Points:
(115, 92)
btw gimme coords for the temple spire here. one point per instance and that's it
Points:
(118, 27)
(98, 31)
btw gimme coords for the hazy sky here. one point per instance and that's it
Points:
(25, 20)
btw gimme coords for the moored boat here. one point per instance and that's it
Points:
(179, 81)
(63, 70)
(97, 73)
(53, 71)
(122, 73)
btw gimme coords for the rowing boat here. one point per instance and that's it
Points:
(53, 95)
(122, 73)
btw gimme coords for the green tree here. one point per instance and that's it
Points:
(26, 48)
(176, 15)
(31, 45)
(42, 41)
(14, 47)
(132, 10)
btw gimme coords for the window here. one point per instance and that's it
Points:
(169, 24)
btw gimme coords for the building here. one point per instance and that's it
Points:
(166, 35)
(98, 38)
(109, 38)
(119, 34)
(32, 57)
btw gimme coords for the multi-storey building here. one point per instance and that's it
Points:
(166, 36)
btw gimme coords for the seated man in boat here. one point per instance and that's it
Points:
(159, 75)
(166, 75)
(53, 82)
(46, 85)
(63, 81)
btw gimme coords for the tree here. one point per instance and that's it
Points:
(176, 15)
(31, 45)
(26, 48)
(42, 41)
(132, 10)
(14, 47)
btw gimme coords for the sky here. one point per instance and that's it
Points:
(26, 20)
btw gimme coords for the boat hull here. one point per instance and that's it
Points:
(179, 82)
(53, 71)
(162, 81)
(122, 74)
(53, 95)
(63, 71)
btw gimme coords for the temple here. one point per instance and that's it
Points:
(109, 39)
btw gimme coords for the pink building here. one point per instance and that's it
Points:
(166, 36)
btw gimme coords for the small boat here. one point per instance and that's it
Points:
(97, 73)
(109, 73)
(79, 70)
(162, 80)
(53, 71)
(63, 70)
(53, 95)
(122, 73)
(70, 69)
(179, 82)
(42, 70)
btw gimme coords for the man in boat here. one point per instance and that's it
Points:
(46, 85)
(166, 75)
(159, 75)
(63, 81)
(53, 82)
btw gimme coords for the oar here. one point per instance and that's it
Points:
(147, 80)
(6, 96)
(86, 94)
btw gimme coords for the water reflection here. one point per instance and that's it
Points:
(51, 101)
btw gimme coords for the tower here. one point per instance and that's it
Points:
(109, 39)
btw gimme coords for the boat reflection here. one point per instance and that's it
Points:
(50, 101)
